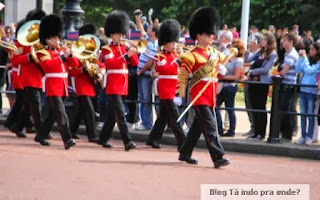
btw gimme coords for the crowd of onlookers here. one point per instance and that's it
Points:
(266, 49)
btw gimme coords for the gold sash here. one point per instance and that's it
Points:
(204, 71)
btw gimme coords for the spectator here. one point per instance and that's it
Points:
(308, 68)
(254, 47)
(252, 32)
(223, 29)
(295, 29)
(235, 33)
(264, 59)
(225, 41)
(144, 73)
(288, 72)
(229, 90)
(307, 41)
(144, 22)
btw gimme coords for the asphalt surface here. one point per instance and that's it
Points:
(88, 171)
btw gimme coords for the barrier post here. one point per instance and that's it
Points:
(275, 112)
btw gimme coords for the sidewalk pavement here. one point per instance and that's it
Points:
(238, 143)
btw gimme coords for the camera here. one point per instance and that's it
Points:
(137, 12)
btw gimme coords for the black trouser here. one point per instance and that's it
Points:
(16, 111)
(115, 112)
(132, 116)
(86, 111)
(32, 97)
(168, 114)
(248, 105)
(258, 97)
(22, 118)
(56, 111)
(203, 123)
(293, 108)
(286, 123)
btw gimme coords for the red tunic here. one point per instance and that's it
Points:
(16, 82)
(84, 84)
(167, 67)
(30, 73)
(201, 56)
(56, 74)
(117, 68)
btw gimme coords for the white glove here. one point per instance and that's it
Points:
(222, 70)
(177, 101)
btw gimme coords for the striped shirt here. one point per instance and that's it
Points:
(289, 60)
(148, 55)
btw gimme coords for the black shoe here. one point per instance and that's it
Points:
(69, 144)
(42, 141)
(49, 137)
(30, 130)
(228, 134)
(221, 162)
(130, 145)
(94, 140)
(105, 144)
(75, 136)
(154, 144)
(20, 134)
(188, 160)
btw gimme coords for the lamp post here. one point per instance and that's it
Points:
(72, 16)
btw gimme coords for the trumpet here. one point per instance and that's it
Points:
(141, 44)
(183, 46)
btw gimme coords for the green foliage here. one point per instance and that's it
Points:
(280, 13)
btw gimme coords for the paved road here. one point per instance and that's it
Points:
(87, 171)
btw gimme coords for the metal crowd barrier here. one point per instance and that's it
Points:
(275, 111)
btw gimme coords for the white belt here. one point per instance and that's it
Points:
(207, 79)
(18, 70)
(117, 71)
(52, 75)
(113, 71)
(57, 75)
(174, 77)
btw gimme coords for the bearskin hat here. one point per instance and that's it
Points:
(88, 29)
(50, 26)
(18, 26)
(35, 15)
(204, 20)
(116, 22)
(169, 32)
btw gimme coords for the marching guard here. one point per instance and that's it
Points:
(13, 122)
(85, 90)
(203, 61)
(54, 60)
(167, 64)
(116, 58)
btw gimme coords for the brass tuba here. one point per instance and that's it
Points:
(28, 35)
(86, 49)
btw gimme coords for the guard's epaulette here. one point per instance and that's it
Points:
(187, 57)
(106, 47)
(43, 54)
